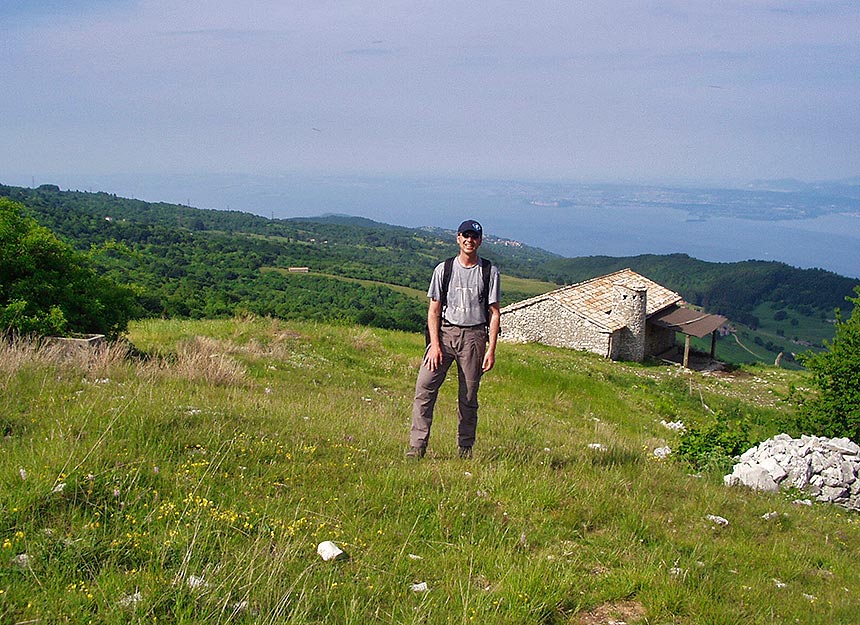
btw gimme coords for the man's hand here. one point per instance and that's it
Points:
(493, 336)
(433, 357)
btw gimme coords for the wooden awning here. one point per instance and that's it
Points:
(690, 322)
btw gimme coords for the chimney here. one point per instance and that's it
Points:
(629, 310)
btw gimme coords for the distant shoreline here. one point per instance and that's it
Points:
(804, 225)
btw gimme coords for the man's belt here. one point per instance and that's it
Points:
(448, 324)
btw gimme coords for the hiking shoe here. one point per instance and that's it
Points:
(465, 452)
(416, 452)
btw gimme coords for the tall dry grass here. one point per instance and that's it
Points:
(197, 359)
(203, 359)
(17, 353)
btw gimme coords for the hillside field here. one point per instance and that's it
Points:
(190, 478)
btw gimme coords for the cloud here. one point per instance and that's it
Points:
(544, 88)
(369, 52)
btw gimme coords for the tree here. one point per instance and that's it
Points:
(49, 288)
(835, 410)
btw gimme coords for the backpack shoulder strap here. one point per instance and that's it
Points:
(446, 280)
(485, 274)
(486, 266)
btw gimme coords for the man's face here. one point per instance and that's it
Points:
(469, 241)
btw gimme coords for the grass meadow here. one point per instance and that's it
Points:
(188, 478)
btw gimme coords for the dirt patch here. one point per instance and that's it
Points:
(613, 613)
(697, 361)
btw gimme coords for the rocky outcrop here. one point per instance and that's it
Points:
(826, 468)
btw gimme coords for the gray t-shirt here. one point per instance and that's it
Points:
(464, 307)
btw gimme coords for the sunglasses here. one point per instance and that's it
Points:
(470, 235)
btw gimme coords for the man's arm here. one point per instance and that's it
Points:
(495, 319)
(433, 356)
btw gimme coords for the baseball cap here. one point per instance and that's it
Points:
(470, 224)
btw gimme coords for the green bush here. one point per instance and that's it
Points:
(49, 288)
(835, 410)
(716, 443)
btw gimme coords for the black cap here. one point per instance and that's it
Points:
(470, 225)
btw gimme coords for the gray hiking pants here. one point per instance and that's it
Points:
(467, 347)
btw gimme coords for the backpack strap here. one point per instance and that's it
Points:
(446, 280)
(484, 297)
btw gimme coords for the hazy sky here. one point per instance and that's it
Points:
(682, 90)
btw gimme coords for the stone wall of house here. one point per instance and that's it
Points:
(550, 323)
(658, 340)
(629, 309)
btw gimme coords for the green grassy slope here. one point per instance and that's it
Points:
(194, 486)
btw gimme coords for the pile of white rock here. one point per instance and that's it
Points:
(826, 468)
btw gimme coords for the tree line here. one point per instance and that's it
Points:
(189, 262)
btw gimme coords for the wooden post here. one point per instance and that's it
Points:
(687, 351)
(713, 345)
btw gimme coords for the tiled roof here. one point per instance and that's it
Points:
(593, 299)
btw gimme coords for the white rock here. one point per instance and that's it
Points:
(130, 600)
(328, 551)
(849, 472)
(819, 461)
(677, 426)
(662, 452)
(799, 473)
(752, 475)
(194, 582)
(749, 455)
(833, 493)
(832, 476)
(777, 473)
(22, 560)
(843, 446)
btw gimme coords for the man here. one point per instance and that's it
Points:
(463, 325)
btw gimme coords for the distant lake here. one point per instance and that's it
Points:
(829, 242)
(590, 220)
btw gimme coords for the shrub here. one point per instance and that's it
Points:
(835, 410)
(715, 443)
(49, 288)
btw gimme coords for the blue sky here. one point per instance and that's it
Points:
(673, 91)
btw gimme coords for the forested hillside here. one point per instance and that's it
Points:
(208, 263)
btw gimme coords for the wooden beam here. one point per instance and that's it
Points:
(686, 351)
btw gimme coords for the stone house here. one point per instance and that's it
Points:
(622, 316)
